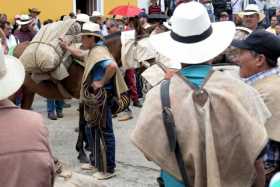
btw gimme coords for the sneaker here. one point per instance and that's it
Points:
(126, 115)
(52, 116)
(103, 176)
(88, 167)
(137, 104)
(59, 114)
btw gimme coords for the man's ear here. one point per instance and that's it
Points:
(260, 60)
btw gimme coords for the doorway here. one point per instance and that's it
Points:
(85, 6)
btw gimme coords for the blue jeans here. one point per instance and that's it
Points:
(55, 105)
(109, 139)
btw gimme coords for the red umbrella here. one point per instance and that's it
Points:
(126, 10)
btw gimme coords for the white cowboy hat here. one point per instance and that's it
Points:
(82, 18)
(250, 10)
(96, 14)
(90, 28)
(24, 20)
(12, 75)
(193, 39)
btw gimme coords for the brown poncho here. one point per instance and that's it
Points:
(270, 92)
(220, 141)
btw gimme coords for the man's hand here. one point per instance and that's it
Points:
(63, 43)
(97, 84)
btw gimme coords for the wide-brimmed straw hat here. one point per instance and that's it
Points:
(250, 10)
(12, 75)
(35, 10)
(92, 29)
(24, 20)
(193, 39)
(82, 18)
(96, 14)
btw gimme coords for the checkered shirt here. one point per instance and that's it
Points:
(261, 75)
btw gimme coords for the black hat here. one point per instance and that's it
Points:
(143, 15)
(157, 17)
(262, 42)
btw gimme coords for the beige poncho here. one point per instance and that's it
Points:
(270, 92)
(220, 141)
(96, 55)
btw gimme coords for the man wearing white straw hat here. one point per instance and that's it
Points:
(97, 90)
(25, 156)
(203, 128)
(252, 16)
(26, 31)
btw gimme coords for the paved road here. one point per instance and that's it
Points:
(132, 168)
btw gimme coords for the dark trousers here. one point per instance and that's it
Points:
(82, 130)
(109, 139)
(139, 82)
(55, 105)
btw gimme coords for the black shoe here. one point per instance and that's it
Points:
(137, 104)
(82, 157)
(66, 105)
(59, 114)
(52, 116)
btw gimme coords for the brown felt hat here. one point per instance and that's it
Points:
(35, 10)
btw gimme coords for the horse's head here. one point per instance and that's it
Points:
(114, 44)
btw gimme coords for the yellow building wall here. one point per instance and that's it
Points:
(110, 4)
(50, 9)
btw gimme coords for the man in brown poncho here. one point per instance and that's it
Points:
(218, 120)
(100, 81)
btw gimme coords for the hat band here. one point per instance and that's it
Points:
(253, 11)
(24, 20)
(92, 32)
(192, 39)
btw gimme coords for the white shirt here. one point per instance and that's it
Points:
(12, 41)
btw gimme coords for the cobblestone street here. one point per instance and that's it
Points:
(132, 168)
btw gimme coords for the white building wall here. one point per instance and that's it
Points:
(100, 6)
(74, 6)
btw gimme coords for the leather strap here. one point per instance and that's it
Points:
(170, 128)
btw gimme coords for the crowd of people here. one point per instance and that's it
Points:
(213, 128)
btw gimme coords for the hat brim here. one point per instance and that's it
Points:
(13, 79)
(261, 15)
(195, 53)
(240, 44)
(90, 34)
(23, 22)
